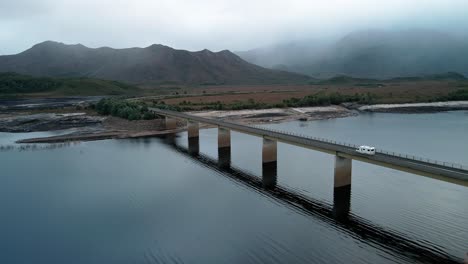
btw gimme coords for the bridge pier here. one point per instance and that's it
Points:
(342, 172)
(269, 163)
(342, 188)
(170, 123)
(193, 137)
(224, 147)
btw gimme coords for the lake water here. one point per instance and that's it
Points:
(148, 201)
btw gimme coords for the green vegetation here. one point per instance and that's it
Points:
(458, 95)
(344, 79)
(446, 76)
(239, 105)
(124, 109)
(135, 110)
(18, 84)
(321, 99)
(131, 110)
(318, 99)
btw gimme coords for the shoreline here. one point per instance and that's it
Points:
(278, 115)
(98, 136)
(431, 107)
(91, 127)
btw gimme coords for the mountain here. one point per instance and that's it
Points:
(344, 79)
(154, 64)
(369, 54)
(282, 55)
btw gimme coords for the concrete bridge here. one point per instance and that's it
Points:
(338, 212)
(344, 153)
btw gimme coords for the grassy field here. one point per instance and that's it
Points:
(394, 91)
(332, 91)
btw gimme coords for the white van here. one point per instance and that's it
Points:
(366, 150)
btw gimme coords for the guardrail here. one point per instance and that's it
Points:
(307, 138)
(381, 151)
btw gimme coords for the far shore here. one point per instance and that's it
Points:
(416, 107)
(90, 126)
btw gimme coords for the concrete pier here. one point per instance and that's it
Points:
(343, 170)
(170, 123)
(342, 188)
(193, 129)
(224, 147)
(269, 163)
(193, 137)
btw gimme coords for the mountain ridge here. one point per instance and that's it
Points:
(380, 54)
(153, 64)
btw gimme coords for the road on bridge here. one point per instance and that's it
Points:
(439, 170)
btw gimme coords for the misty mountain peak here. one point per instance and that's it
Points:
(371, 53)
(55, 44)
(53, 47)
(159, 47)
(226, 52)
(49, 43)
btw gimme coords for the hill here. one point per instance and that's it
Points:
(17, 84)
(156, 64)
(369, 54)
(344, 79)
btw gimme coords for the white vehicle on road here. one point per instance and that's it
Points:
(366, 150)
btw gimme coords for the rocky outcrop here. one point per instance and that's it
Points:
(47, 122)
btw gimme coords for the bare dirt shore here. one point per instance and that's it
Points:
(277, 115)
(416, 107)
(98, 128)
(92, 127)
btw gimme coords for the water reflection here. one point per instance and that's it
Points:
(341, 203)
(337, 214)
(224, 157)
(145, 141)
(269, 174)
(36, 147)
(170, 139)
(194, 145)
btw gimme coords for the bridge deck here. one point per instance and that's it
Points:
(442, 171)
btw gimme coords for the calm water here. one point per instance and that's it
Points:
(147, 201)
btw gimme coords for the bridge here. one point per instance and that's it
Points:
(338, 212)
(344, 153)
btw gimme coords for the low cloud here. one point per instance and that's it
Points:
(216, 25)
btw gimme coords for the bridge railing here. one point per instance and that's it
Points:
(306, 138)
(421, 159)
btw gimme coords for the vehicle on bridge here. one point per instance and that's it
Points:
(366, 150)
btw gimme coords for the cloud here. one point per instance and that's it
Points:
(23, 9)
(223, 24)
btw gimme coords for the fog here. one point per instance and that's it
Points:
(215, 25)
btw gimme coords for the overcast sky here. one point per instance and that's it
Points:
(216, 25)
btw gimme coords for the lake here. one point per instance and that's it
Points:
(149, 201)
